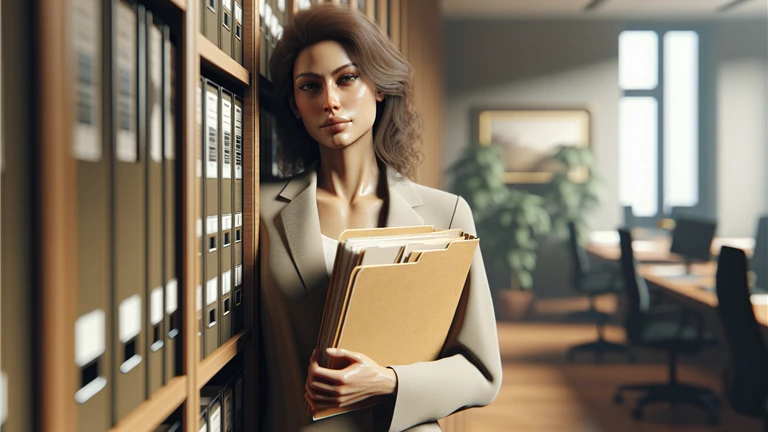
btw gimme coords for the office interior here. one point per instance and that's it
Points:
(636, 129)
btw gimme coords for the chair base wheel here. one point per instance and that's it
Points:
(618, 399)
(637, 413)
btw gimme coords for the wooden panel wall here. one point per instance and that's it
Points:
(421, 41)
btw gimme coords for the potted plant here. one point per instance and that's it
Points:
(508, 222)
(573, 192)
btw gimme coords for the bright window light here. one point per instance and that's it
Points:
(681, 113)
(638, 60)
(638, 154)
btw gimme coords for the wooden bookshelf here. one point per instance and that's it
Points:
(57, 206)
(212, 364)
(214, 57)
(150, 414)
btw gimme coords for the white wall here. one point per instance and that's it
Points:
(742, 178)
(540, 65)
(575, 63)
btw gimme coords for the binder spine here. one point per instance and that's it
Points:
(155, 287)
(212, 247)
(93, 324)
(129, 227)
(171, 225)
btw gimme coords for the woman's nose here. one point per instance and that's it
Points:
(331, 102)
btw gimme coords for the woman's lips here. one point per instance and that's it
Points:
(337, 127)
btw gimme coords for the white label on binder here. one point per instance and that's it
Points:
(156, 306)
(88, 87)
(211, 291)
(216, 419)
(90, 337)
(262, 8)
(212, 135)
(211, 225)
(199, 157)
(226, 139)
(130, 318)
(238, 143)
(226, 222)
(238, 13)
(199, 297)
(126, 146)
(3, 398)
(168, 96)
(171, 296)
(238, 275)
(238, 220)
(281, 5)
(226, 282)
(227, 4)
(155, 89)
(199, 227)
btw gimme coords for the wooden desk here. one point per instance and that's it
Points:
(688, 289)
(656, 249)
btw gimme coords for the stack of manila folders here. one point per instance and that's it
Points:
(393, 294)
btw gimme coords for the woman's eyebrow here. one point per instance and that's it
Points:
(314, 75)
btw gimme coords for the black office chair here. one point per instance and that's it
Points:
(745, 380)
(646, 328)
(593, 283)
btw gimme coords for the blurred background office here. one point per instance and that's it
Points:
(596, 115)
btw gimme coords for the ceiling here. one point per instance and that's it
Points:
(607, 9)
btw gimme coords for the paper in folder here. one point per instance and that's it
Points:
(393, 295)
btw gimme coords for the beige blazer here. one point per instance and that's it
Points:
(294, 283)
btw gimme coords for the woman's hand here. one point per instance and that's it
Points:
(361, 379)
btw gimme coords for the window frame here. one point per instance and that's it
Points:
(707, 183)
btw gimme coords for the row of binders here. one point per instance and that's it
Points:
(127, 338)
(222, 24)
(221, 403)
(273, 17)
(393, 295)
(220, 229)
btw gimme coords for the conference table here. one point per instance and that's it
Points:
(663, 269)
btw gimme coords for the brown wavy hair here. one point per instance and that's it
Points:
(397, 128)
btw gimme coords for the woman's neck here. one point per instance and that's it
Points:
(349, 173)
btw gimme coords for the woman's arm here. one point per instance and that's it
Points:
(470, 374)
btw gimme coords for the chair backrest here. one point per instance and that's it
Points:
(638, 295)
(747, 375)
(579, 259)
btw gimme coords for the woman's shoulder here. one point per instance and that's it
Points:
(437, 204)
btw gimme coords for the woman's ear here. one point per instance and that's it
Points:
(294, 109)
(379, 96)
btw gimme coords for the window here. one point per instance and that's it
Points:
(659, 121)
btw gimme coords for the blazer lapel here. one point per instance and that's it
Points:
(302, 227)
(402, 199)
(302, 230)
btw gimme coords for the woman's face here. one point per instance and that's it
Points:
(336, 105)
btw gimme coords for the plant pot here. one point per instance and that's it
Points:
(512, 305)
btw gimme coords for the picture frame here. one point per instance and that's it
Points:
(530, 136)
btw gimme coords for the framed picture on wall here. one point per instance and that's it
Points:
(529, 137)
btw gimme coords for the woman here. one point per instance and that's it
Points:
(348, 135)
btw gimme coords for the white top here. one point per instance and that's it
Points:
(329, 250)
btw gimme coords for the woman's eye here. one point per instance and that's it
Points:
(308, 87)
(347, 78)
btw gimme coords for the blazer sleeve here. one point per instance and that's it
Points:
(469, 371)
